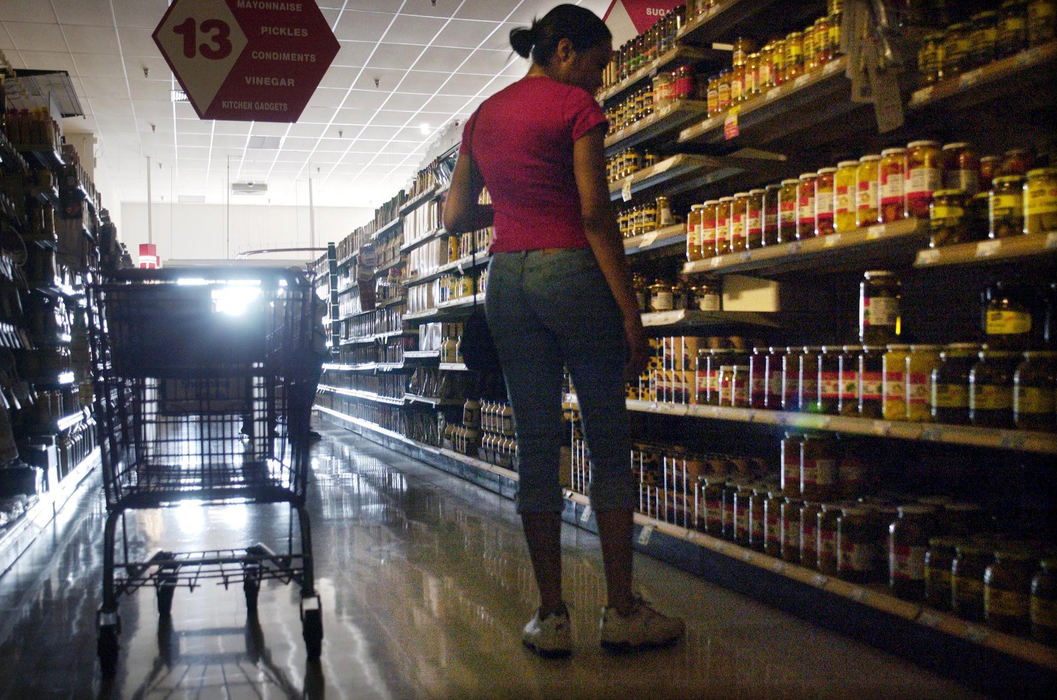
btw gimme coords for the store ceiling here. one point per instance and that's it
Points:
(433, 60)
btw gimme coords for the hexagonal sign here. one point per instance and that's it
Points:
(247, 60)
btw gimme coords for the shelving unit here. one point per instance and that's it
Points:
(678, 174)
(1002, 250)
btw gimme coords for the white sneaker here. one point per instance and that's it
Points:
(643, 627)
(551, 636)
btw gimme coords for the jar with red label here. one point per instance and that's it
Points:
(856, 545)
(723, 98)
(731, 488)
(924, 175)
(805, 196)
(772, 517)
(794, 55)
(827, 398)
(770, 213)
(824, 201)
(818, 467)
(758, 377)
(991, 389)
(723, 225)
(848, 380)
(772, 398)
(710, 495)
(844, 189)
(706, 230)
(741, 514)
(740, 383)
(737, 218)
(908, 542)
(809, 513)
(791, 378)
(961, 168)
(788, 203)
(892, 184)
(754, 219)
(871, 381)
(826, 532)
(790, 542)
(693, 233)
(867, 180)
(789, 474)
(757, 514)
(807, 379)
(717, 357)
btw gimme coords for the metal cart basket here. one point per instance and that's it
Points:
(204, 380)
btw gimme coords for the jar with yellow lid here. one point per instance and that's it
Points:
(1012, 34)
(967, 579)
(1034, 383)
(770, 213)
(892, 184)
(983, 38)
(1042, 21)
(805, 195)
(824, 201)
(818, 467)
(1040, 201)
(1042, 606)
(956, 44)
(844, 188)
(707, 229)
(790, 535)
(948, 218)
(924, 175)
(737, 218)
(938, 561)
(867, 204)
(949, 384)
(809, 513)
(921, 361)
(723, 225)
(1007, 589)
(754, 219)
(794, 55)
(826, 530)
(879, 316)
(788, 203)
(894, 382)
(1006, 206)
(991, 389)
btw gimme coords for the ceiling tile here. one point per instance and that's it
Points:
(339, 77)
(363, 25)
(136, 41)
(47, 60)
(83, 13)
(408, 102)
(328, 97)
(99, 65)
(360, 100)
(483, 10)
(467, 35)
(394, 56)
(446, 104)
(94, 40)
(441, 59)
(139, 13)
(414, 29)
(34, 35)
(316, 115)
(465, 85)
(353, 54)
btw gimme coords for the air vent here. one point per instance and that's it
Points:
(249, 187)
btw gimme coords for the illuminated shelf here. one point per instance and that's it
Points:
(677, 173)
(663, 122)
(678, 55)
(661, 238)
(360, 394)
(990, 252)
(712, 320)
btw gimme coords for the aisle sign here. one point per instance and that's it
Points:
(248, 60)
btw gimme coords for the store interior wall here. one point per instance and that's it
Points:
(201, 231)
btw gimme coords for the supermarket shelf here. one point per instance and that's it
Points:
(418, 199)
(663, 122)
(393, 225)
(990, 252)
(661, 238)
(433, 235)
(712, 320)
(421, 354)
(43, 154)
(60, 379)
(447, 309)
(678, 173)
(58, 425)
(453, 367)
(368, 425)
(363, 340)
(365, 395)
(467, 262)
(47, 195)
(399, 262)
(854, 248)
(339, 367)
(679, 55)
(721, 20)
(1012, 77)
(1017, 440)
(780, 111)
(431, 400)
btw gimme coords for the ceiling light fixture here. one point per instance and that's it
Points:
(424, 129)
(177, 95)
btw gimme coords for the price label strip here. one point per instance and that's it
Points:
(645, 534)
(586, 515)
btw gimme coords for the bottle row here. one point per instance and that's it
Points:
(32, 128)
(447, 288)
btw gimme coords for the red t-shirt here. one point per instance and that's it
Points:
(522, 141)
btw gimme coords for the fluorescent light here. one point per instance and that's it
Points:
(424, 129)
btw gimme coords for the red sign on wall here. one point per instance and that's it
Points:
(642, 14)
(248, 60)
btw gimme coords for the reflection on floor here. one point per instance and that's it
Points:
(425, 584)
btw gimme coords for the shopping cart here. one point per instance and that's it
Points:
(204, 381)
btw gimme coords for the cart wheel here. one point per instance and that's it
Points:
(251, 587)
(312, 631)
(107, 647)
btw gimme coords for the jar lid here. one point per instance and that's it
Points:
(792, 34)
(826, 171)
(792, 349)
(722, 351)
(871, 157)
(955, 145)
(696, 206)
(790, 182)
(897, 151)
(925, 348)
(1040, 355)
(990, 159)
(829, 348)
(807, 176)
(726, 199)
(710, 202)
(1007, 179)
(847, 164)
(897, 347)
(919, 144)
(915, 510)
(772, 186)
(757, 191)
(1040, 172)
(948, 193)
(872, 274)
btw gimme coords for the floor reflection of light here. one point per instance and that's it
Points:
(191, 517)
(236, 514)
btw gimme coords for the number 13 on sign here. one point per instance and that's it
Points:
(217, 31)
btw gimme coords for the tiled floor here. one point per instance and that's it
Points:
(425, 584)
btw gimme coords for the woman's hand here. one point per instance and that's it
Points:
(638, 347)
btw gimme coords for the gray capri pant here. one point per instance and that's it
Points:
(547, 309)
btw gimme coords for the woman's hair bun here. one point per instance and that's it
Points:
(522, 40)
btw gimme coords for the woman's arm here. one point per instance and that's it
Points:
(461, 210)
(603, 235)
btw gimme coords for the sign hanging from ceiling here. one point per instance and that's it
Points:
(627, 19)
(247, 60)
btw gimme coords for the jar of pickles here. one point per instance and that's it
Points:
(879, 295)
(1034, 383)
(956, 45)
(938, 561)
(948, 218)
(921, 362)
(867, 204)
(856, 545)
(949, 384)
(1006, 207)
(1007, 589)
(723, 225)
(1008, 318)
(1040, 201)
(706, 230)
(805, 195)
(790, 543)
(924, 175)
(894, 382)
(991, 389)
(788, 209)
(824, 201)
(930, 58)
(961, 168)
(907, 545)
(844, 189)
(848, 380)
(967, 579)
(827, 399)
(871, 381)
(754, 219)
(737, 219)
(983, 38)
(809, 513)
(770, 213)
(892, 184)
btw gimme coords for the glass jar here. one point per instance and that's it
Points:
(844, 188)
(990, 168)
(758, 377)
(717, 357)
(805, 210)
(807, 379)
(710, 494)
(723, 94)
(757, 514)
(924, 175)
(752, 75)
(930, 58)
(712, 96)
(967, 579)
(730, 490)
(740, 383)
(791, 378)
(879, 294)
(824, 201)
(778, 72)
(737, 218)
(661, 297)
(766, 67)
(737, 84)
(983, 38)
(794, 55)
(967, 520)
(956, 50)
(706, 230)
(1006, 207)
(1033, 391)
(894, 382)
(772, 517)
(892, 184)
(1008, 321)
(867, 204)
(790, 542)
(787, 211)
(693, 237)
(871, 381)
(1042, 21)
(723, 225)
(991, 389)
(1040, 201)
(707, 297)
(818, 467)
(809, 513)
(789, 474)
(856, 545)
(848, 380)
(961, 168)
(827, 396)
(754, 219)
(907, 545)
(827, 538)
(938, 561)
(1012, 34)
(1043, 603)
(921, 361)
(948, 219)
(949, 384)
(742, 498)
(1007, 590)
(810, 47)
(771, 205)
(773, 378)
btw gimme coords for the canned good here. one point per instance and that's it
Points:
(1034, 384)
(956, 45)
(892, 184)
(983, 38)
(949, 384)
(754, 219)
(991, 389)
(723, 225)
(1042, 21)
(961, 168)
(1012, 34)
(738, 219)
(879, 294)
(922, 360)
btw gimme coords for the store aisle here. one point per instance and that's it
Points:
(425, 584)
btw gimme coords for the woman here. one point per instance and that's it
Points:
(559, 292)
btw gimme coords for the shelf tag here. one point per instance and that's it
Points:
(746, 256)
(969, 79)
(645, 534)
(625, 191)
(648, 239)
(778, 566)
(819, 580)
(928, 257)
(802, 80)
(1051, 241)
(748, 555)
(881, 427)
(586, 515)
(730, 124)
(831, 240)
(929, 619)
(875, 232)
(986, 249)
(773, 94)
(858, 594)
(567, 494)
(714, 262)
